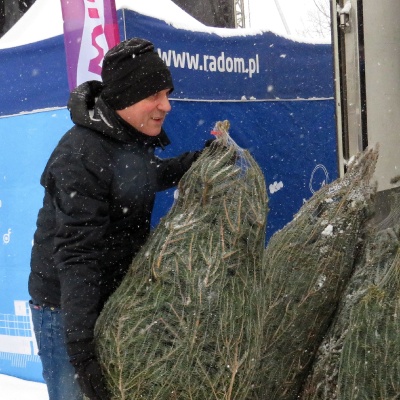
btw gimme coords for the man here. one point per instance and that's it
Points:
(100, 184)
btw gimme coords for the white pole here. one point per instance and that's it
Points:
(278, 6)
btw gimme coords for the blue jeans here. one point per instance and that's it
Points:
(58, 372)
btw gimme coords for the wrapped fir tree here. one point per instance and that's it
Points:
(370, 363)
(185, 322)
(306, 267)
(382, 242)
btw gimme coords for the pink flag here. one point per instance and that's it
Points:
(90, 29)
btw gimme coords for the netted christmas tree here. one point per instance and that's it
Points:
(382, 242)
(370, 362)
(186, 322)
(306, 267)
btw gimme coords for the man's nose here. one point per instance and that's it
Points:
(164, 104)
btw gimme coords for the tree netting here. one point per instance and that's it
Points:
(370, 359)
(306, 267)
(186, 321)
(382, 242)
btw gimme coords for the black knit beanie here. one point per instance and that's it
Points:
(133, 71)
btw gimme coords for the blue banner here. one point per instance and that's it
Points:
(254, 67)
(33, 77)
(277, 94)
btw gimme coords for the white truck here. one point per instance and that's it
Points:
(366, 45)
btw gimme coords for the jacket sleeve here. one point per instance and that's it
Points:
(79, 191)
(171, 170)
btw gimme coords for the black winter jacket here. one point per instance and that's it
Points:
(100, 184)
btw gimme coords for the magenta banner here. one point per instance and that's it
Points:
(90, 29)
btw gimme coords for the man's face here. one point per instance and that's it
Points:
(148, 115)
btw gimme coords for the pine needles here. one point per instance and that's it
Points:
(376, 258)
(370, 362)
(306, 267)
(206, 312)
(186, 322)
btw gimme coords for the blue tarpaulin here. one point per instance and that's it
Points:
(277, 94)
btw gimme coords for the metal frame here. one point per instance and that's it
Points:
(240, 20)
